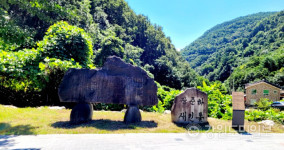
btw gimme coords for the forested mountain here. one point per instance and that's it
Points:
(250, 48)
(40, 38)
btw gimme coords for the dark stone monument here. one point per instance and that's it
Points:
(116, 82)
(238, 109)
(191, 106)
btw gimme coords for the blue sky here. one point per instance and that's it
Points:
(185, 20)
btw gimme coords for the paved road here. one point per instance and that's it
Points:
(174, 141)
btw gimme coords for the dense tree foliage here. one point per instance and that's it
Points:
(267, 66)
(40, 39)
(240, 51)
(112, 25)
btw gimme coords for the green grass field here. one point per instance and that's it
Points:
(42, 120)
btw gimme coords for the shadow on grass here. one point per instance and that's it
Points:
(195, 126)
(106, 125)
(6, 129)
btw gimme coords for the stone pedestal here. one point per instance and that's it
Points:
(238, 109)
(82, 112)
(132, 114)
(238, 118)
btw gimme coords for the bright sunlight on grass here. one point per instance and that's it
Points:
(43, 120)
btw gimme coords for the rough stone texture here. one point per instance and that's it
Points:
(82, 112)
(191, 106)
(132, 114)
(116, 82)
(267, 122)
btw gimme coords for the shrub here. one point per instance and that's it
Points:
(19, 70)
(52, 72)
(264, 104)
(219, 105)
(270, 114)
(169, 99)
(166, 96)
(29, 78)
(63, 41)
(159, 107)
(264, 112)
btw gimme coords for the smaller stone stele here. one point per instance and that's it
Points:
(238, 109)
(191, 106)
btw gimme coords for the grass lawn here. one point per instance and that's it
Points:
(43, 120)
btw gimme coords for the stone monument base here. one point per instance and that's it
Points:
(82, 112)
(238, 118)
(132, 114)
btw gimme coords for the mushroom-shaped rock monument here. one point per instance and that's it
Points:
(116, 82)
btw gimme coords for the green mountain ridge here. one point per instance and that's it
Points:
(220, 51)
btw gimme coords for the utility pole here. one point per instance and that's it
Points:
(233, 86)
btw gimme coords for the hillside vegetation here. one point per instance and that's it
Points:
(242, 50)
(40, 40)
